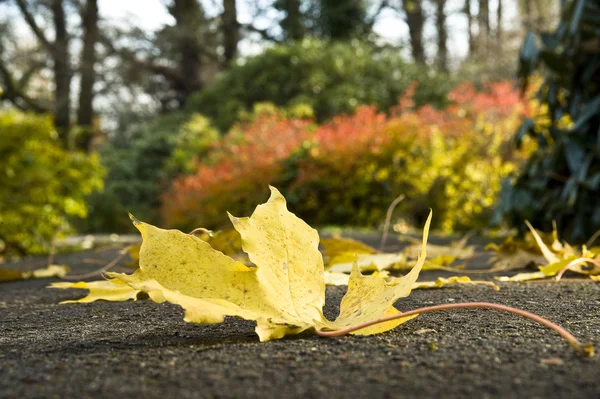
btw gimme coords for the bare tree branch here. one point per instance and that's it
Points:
(15, 93)
(38, 32)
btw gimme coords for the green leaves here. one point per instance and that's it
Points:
(559, 178)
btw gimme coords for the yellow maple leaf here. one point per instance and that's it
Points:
(284, 293)
(106, 290)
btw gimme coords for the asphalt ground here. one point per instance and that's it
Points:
(142, 349)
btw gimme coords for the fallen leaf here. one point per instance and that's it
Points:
(443, 253)
(521, 277)
(106, 290)
(366, 263)
(441, 282)
(284, 293)
(336, 246)
(564, 256)
(46, 272)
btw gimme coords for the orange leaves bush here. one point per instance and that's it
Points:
(348, 170)
(235, 175)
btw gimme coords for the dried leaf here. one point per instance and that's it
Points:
(51, 271)
(366, 263)
(441, 282)
(284, 293)
(564, 256)
(457, 250)
(335, 246)
(521, 277)
(106, 290)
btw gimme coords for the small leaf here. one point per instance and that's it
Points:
(106, 290)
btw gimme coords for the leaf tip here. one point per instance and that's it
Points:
(133, 219)
(275, 194)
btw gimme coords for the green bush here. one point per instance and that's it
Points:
(561, 180)
(141, 163)
(42, 185)
(331, 78)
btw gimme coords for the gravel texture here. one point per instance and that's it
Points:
(141, 349)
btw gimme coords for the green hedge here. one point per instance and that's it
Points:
(42, 185)
(331, 78)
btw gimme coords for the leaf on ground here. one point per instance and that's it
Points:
(367, 263)
(106, 290)
(284, 293)
(51, 271)
(443, 253)
(332, 278)
(521, 277)
(337, 278)
(441, 282)
(557, 257)
(335, 246)
(344, 252)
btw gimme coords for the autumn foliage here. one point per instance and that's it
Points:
(348, 170)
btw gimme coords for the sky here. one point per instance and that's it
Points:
(151, 14)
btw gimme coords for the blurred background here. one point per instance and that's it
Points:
(181, 110)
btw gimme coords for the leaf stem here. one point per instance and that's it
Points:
(586, 350)
(200, 230)
(109, 266)
(388, 218)
(592, 239)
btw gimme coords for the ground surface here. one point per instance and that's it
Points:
(141, 349)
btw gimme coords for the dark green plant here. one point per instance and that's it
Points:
(331, 78)
(561, 180)
(140, 168)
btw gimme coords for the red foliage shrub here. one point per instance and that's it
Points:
(241, 166)
(349, 169)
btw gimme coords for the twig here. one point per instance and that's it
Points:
(586, 350)
(94, 261)
(592, 239)
(201, 229)
(574, 263)
(52, 251)
(109, 266)
(388, 217)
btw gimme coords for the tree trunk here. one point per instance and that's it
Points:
(231, 34)
(415, 20)
(526, 17)
(499, 25)
(470, 34)
(62, 70)
(189, 16)
(292, 24)
(484, 23)
(85, 113)
(442, 37)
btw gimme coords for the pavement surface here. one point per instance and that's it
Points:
(142, 349)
